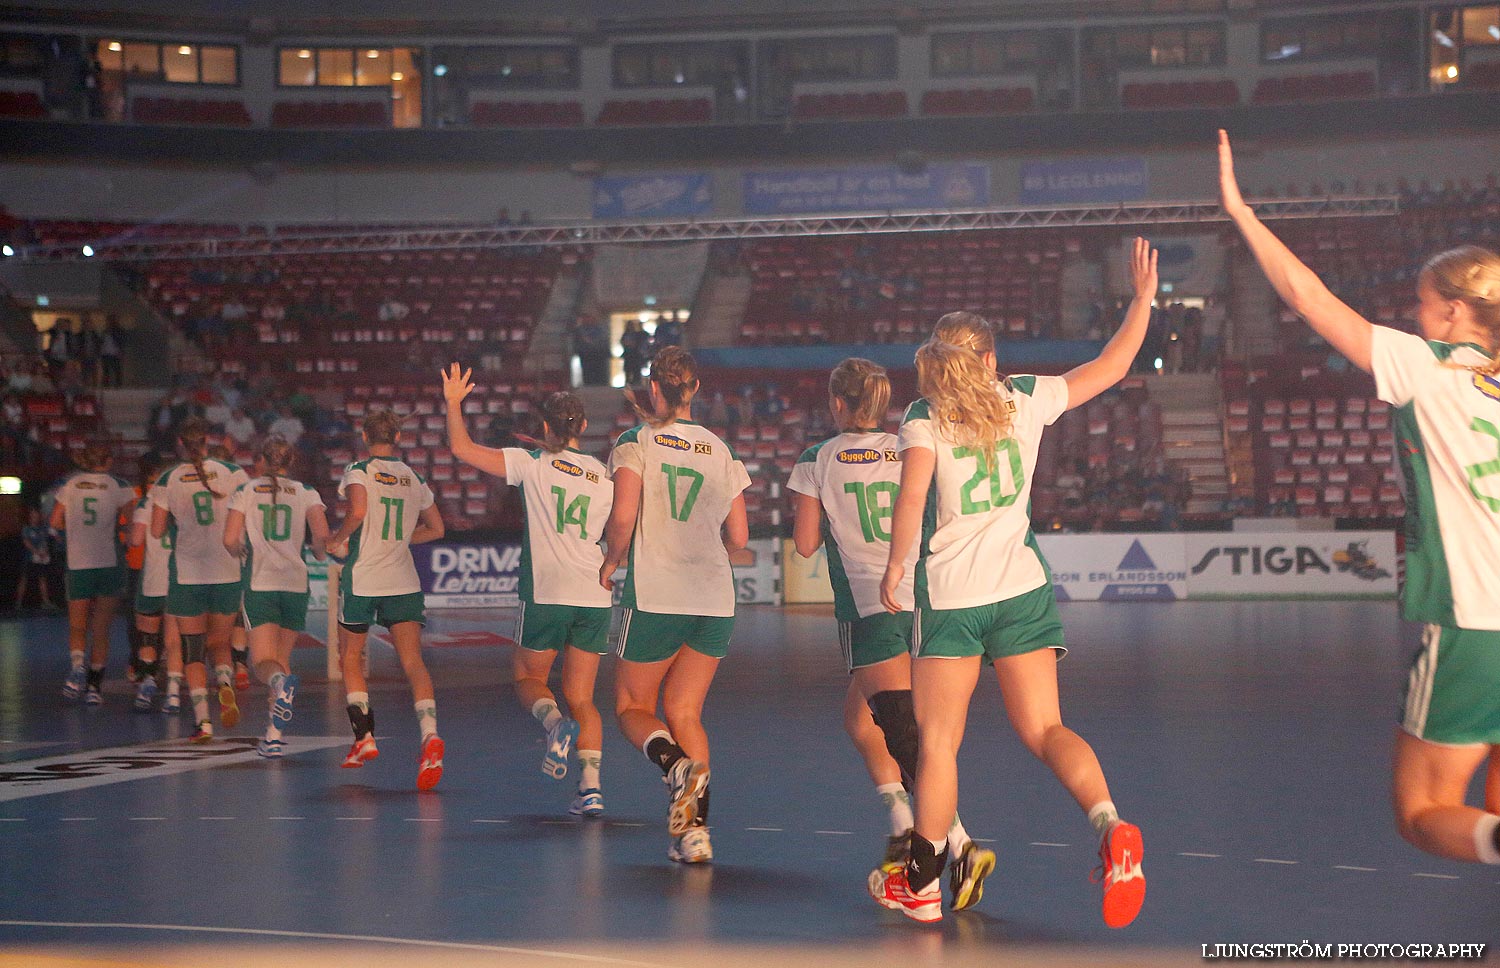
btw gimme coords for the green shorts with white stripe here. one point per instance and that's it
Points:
(656, 637)
(1453, 688)
(875, 638)
(551, 628)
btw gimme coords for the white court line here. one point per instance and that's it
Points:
(1042, 843)
(769, 830)
(1346, 867)
(354, 818)
(218, 818)
(625, 823)
(422, 819)
(286, 818)
(836, 833)
(1272, 860)
(1438, 877)
(489, 821)
(321, 936)
(148, 818)
(983, 840)
(77, 818)
(12, 819)
(563, 823)
(1189, 853)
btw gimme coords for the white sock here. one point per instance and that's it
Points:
(660, 733)
(546, 713)
(1484, 839)
(224, 675)
(588, 762)
(77, 658)
(893, 795)
(958, 837)
(360, 699)
(426, 717)
(1102, 814)
(174, 684)
(200, 703)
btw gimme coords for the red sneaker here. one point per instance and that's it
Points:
(362, 752)
(203, 734)
(229, 708)
(891, 890)
(430, 769)
(1120, 854)
(241, 678)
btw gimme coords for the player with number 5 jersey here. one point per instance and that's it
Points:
(566, 496)
(679, 513)
(390, 509)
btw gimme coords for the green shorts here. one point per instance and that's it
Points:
(654, 637)
(85, 583)
(149, 604)
(549, 628)
(357, 612)
(1453, 690)
(1015, 626)
(190, 601)
(875, 638)
(285, 609)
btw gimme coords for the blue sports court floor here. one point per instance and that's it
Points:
(1250, 741)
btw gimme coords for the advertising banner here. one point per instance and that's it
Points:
(804, 581)
(1116, 567)
(461, 575)
(1302, 564)
(653, 196)
(1084, 180)
(865, 189)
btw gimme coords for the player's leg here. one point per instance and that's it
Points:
(406, 636)
(352, 640)
(78, 647)
(101, 616)
(579, 673)
(148, 659)
(1429, 784)
(221, 626)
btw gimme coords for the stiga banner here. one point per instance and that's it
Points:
(1303, 564)
(1116, 567)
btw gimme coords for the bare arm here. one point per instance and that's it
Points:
(807, 528)
(1298, 286)
(317, 526)
(736, 525)
(159, 516)
(58, 519)
(358, 508)
(917, 466)
(621, 525)
(457, 386)
(1087, 381)
(429, 526)
(234, 533)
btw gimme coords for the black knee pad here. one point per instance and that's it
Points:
(894, 714)
(359, 629)
(193, 647)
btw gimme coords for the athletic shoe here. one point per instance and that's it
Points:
(966, 876)
(430, 767)
(271, 749)
(241, 678)
(588, 803)
(897, 851)
(362, 752)
(145, 696)
(891, 890)
(686, 781)
(229, 707)
(281, 708)
(93, 697)
(172, 705)
(692, 847)
(561, 739)
(132, 673)
(203, 733)
(1120, 853)
(73, 685)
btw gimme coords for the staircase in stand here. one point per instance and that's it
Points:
(1192, 423)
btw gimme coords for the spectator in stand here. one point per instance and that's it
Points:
(71, 384)
(111, 352)
(635, 350)
(216, 409)
(90, 343)
(59, 345)
(15, 431)
(288, 425)
(272, 311)
(591, 344)
(668, 331)
(239, 429)
(392, 310)
(36, 539)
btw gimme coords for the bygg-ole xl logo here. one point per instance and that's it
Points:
(674, 442)
(867, 455)
(1487, 385)
(567, 467)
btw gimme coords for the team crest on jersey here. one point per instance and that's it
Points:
(381, 477)
(701, 448)
(1487, 385)
(568, 468)
(88, 486)
(268, 489)
(867, 455)
(674, 442)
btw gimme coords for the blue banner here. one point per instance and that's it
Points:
(867, 189)
(653, 196)
(1084, 180)
(469, 575)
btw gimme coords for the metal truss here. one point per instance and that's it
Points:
(418, 238)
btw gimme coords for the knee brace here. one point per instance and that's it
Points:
(894, 714)
(193, 647)
(361, 628)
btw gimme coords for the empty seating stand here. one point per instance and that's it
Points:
(1000, 100)
(1181, 94)
(330, 114)
(166, 110)
(21, 104)
(871, 104)
(1484, 74)
(526, 113)
(1315, 87)
(699, 110)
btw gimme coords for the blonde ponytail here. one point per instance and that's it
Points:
(865, 390)
(1472, 274)
(959, 387)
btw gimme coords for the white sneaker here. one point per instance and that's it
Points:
(692, 847)
(686, 781)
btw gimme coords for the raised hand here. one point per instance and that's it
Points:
(1143, 269)
(1229, 188)
(456, 384)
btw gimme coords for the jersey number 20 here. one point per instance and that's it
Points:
(1007, 452)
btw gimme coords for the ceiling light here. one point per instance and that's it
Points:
(88, 251)
(1452, 72)
(115, 47)
(397, 76)
(372, 54)
(1443, 39)
(185, 50)
(440, 70)
(304, 53)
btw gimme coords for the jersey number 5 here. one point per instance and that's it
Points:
(681, 511)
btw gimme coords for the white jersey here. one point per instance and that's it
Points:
(567, 497)
(380, 560)
(856, 476)
(275, 531)
(977, 545)
(689, 480)
(92, 503)
(158, 553)
(197, 525)
(1448, 442)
